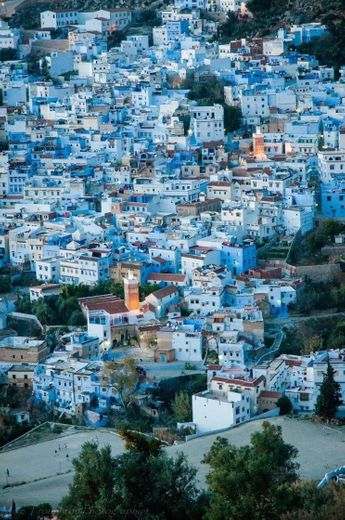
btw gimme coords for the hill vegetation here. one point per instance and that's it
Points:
(270, 15)
(28, 16)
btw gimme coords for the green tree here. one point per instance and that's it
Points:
(147, 289)
(65, 307)
(136, 442)
(143, 482)
(209, 90)
(124, 377)
(115, 38)
(252, 481)
(45, 69)
(319, 504)
(5, 283)
(312, 344)
(336, 337)
(8, 54)
(284, 404)
(13, 510)
(199, 384)
(328, 399)
(34, 512)
(182, 407)
(91, 495)
(33, 64)
(185, 118)
(232, 118)
(229, 29)
(77, 319)
(109, 287)
(206, 89)
(261, 5)
(149, 17)
(10, 429)
(160, 487)
(43, 312)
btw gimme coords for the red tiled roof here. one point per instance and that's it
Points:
(240, 382)
(202, 249)
(159, 260)
(293, 362)
(220, 183)
(187, 255)
(166, 277)
(165, 291)
(108, 302)
(45, 286)
(270, 393)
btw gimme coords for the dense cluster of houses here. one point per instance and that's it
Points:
(108, 170)
(236, 394)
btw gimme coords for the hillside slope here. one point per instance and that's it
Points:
(28, 15)
(292, 11)
(270, 15)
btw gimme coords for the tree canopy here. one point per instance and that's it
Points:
(252, 481)
(284, 404)
(124, 376)
(143, 482)
(32, 512)
(182, 407)
(91, 495)
(208, 89)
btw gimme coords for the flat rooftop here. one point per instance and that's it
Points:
(22, 342)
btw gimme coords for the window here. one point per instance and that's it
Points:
(304, 396)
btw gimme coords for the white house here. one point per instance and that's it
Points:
(59, 62)
(331, 164)
(207, 123)
(273, 47)
(58, 19)
(44, 291)
(204, 300)
(161, 300)
(187, 345)
(9, 38)
(216, 410)
(48, 269)
(190, 4)
(297, 218)
(229, 5)
(232, 351)
(84, 269)
(254, 103)
(200, 258)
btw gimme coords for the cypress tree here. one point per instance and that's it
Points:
(13, 510)
(329, 397)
